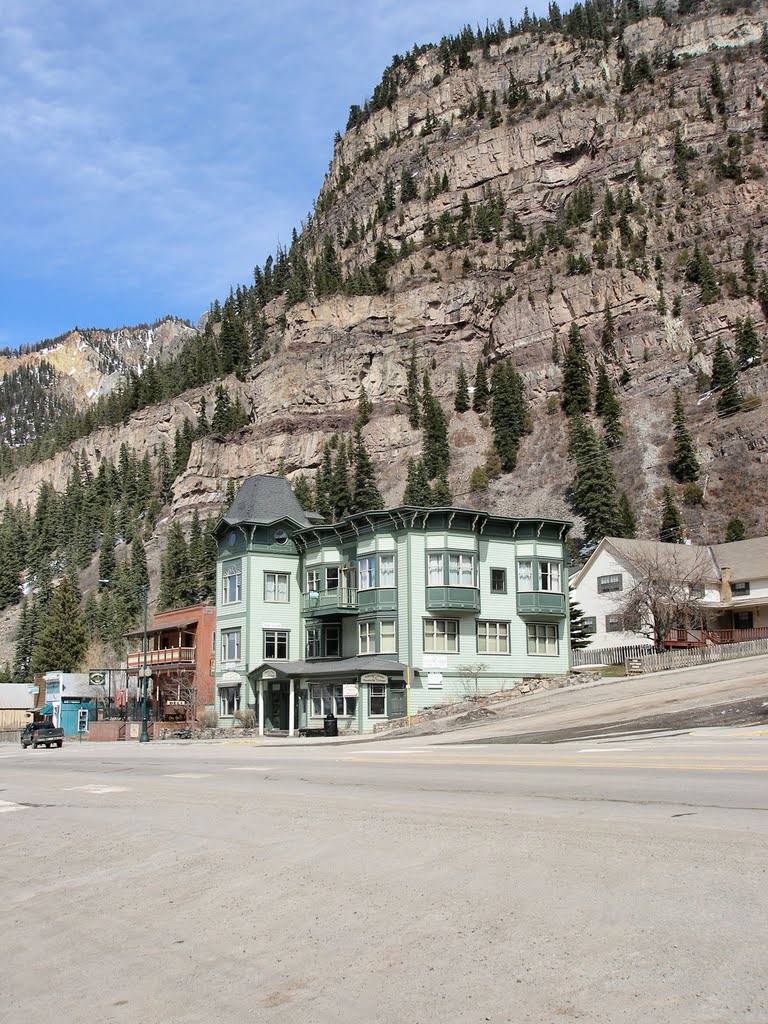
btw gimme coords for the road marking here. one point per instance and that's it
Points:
(10, 755)
(246, 768)
(189, 775)
(6, 806)
(96, 789)
(604, 750)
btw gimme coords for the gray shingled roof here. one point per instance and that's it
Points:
(265, 499)
(747, 559)
(694, 560)
(340, 667)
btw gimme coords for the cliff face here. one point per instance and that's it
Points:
(460, 298)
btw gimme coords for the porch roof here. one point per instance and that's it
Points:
(337, 667)
(157, 630)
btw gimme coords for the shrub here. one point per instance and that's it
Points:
(207, 719)
(751, 402)
(246, 718)
(693, 495)
(478, 481)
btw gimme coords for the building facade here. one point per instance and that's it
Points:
(382, 613)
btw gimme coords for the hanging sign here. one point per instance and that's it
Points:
(374, 678)
(349, 689)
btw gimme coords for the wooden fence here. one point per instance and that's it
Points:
(657, 662)
(608, 655)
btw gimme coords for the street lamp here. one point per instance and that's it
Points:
(145, 673)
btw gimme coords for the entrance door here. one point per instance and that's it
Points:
(397, 704)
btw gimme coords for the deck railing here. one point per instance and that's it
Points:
(179, 656)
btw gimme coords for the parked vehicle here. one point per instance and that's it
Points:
(41, 734)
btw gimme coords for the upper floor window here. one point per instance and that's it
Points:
(313, 581)
(605, 584)
(589, 624)
(549, 577)
(441, 636)
(323, 641)
(276, 587)
(230, 645)
(376, 636)
(276, 644)
(231, 582)
(614, 624)
(366, 573)
(375, 571)
(451, 570)
(525, 574)
(740, 589)
(498, 581)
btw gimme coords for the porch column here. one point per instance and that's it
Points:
(261, 707)
(291, 707)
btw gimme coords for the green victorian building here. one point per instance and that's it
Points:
(381, 614)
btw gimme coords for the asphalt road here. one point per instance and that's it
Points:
(414, 881)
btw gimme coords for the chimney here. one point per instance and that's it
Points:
(726, 594)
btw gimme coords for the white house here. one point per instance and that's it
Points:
(729, 582)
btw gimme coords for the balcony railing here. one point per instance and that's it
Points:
(339, 601)
(540, 602)
(166, 657)
(707, 637)
(453, 599)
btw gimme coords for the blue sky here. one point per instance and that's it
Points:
(153, 154)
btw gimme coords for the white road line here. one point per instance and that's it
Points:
(10, 755)
(6, 806)
(245, 768)
(96, 789)
(189, 775)
(603, 750)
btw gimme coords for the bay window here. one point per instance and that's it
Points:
(549, 577)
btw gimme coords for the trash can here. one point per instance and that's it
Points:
(330, 725)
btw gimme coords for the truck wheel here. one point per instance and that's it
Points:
(35, 746)
(59, 744)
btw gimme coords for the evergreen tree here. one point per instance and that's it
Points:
(436, 453)
(25, 640)
(731, 399)
(748, 347)
(197, 554)
(340, 489)
(175, 570)
(164, 475)
(735, 531)
(139, 573)
(442, 496)
(62, 637)
(702, 273)
(671, 529)
(364, 409)
(366, 496)
(608, 336)
(580, 638)
(11, 562)
(461, 400)
(685, 466)
(414, 398)
(231, 493)
(626, 523)
(593, 490)
(576, 389)
(749, 269)
(608, 407)
(482, 392)
(324, 483)
(510, 416)
(107, 560)
(722, 367)
(418, 493)
(303, 493)
(208, 568)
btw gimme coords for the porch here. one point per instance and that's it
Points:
(703, 637)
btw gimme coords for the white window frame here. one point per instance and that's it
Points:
(232, 571)
(377, 692)
(387, 637)
(441, 636)
(313, 581)
(461, 569)
(387, 578)
(366, 637)
(435, 570)
(229, 701)
(272, 584)
(314, 644)
(330, 696)
(550, 577)
(525, 575)
(543, 639)
(273, 635)
(230, 637)
(366, 573)
(492, 637)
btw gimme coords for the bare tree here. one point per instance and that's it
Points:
(667, 591)
(180, 690)
(471, 673)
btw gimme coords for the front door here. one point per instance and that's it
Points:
(398, 707)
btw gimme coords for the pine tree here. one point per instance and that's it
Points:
(139, 573)
(364, 409)
(436, 453)
(366, 496)
(510, 416)
(25, 639)
(231, 493)
(62, 638)
(608, 407)
(418, 493)
(340, 489)
(481, 393)
(626, 522)
(580, 638)
(722, 367)
(107, 560)
(748, 348)
(164, 475)
(685, 466)
(208, 569)
(593, 489)
(303, 493)
(749, 269)
(608, 335)
(671, 528)
(175, 570)
(11, 562)
(461, 400)
(442, 496)
(731, 399)
(701, 272)
(414, 398)
(576, 389)
(735, 531)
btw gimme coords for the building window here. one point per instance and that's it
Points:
(332, 578)
(230, 645)
(525, 575)
(435, 570)
(387, 571)
(542, 638)
(328, 698)
(387, 636)
(314, 641)
(276, 644)
(613, 624)
(441, 636)
(377, 700)
(231, 582)
(229, 700)
(589, 624)
(366, 637)
(696, 590)
(740, 589)
(743, 620)
(605, 584)
(323, 641)
(276, 587)
(366, 573)
(493, 638)
(549, 577)
(461, 571)
(498, 581)
(332, 641)
(313, 581)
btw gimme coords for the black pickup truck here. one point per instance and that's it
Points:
(41, 734)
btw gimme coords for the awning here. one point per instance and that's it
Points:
(46, 709)
(349, 667)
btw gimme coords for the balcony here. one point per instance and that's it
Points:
(711, 637)
(380, 599)
(167, 657)
(339, 601)
(541, 602)
(453, 599)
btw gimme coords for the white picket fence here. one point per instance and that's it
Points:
(648, 660)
